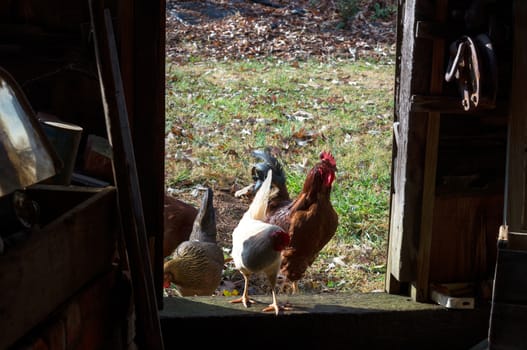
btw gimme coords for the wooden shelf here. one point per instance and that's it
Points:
(437, 30)
(452, 105)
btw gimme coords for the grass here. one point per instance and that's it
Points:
(217, 113)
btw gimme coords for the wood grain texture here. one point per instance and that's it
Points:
(429, 183)
(126, 178)
(43, 271)
(517, 209)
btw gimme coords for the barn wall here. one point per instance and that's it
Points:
(448, 161)
(48, 48)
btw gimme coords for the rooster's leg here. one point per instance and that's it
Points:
(245, 296)
(295, 287)
(274, 306)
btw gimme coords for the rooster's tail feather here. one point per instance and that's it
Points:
(258, 207)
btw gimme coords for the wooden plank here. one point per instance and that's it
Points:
(392, 285)
(148, 127)
(517, 191)
(54, 200)
(425, 239)
(125, 26)
(466, 226)
(407, 153)
(451, 104)
(437, 30)
(126, 179)
(43, 271)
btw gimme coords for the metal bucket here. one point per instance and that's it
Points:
(65, 138)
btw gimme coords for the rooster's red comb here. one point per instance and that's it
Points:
(328, 157)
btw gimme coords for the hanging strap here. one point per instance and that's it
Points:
(473, 66)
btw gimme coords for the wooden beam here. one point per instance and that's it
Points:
(437, 30)
(148, 127)
(421, 292)
(126, 179)
(517, 172)
(391, 283)
(452, 104)
(406, 153)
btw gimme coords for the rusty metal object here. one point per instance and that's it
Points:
(473, 65)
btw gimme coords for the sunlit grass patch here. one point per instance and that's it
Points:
(217, 113)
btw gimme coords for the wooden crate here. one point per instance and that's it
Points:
(76, 243)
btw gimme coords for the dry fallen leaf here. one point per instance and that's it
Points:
(296, 30)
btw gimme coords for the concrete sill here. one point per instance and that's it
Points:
(373, 321)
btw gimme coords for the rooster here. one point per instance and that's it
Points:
(197, 264)
(179, 218)
(310, 218)
(256, 245)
